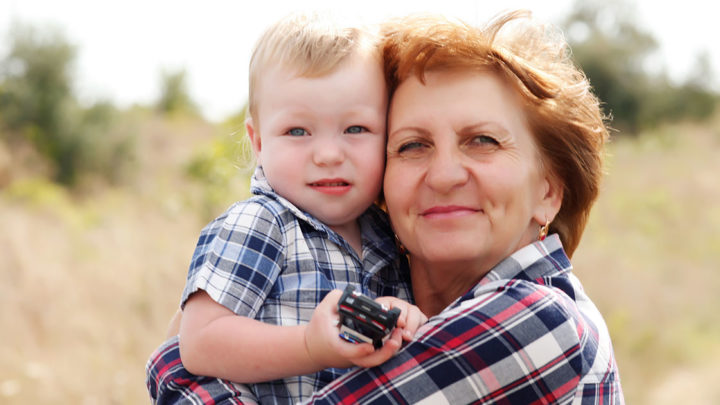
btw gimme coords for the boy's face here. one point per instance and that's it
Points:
(321, 140)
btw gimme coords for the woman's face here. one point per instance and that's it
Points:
(463, 181)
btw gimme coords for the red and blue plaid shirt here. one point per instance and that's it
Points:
(525, 334)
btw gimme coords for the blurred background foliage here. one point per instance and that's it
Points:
(616, 55)
(38, 106)
(100, 208)
(174, 97)
(38, 109)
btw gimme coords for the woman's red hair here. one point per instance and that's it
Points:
(563, 113)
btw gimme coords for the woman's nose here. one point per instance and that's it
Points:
(328, 153)
(445, 171)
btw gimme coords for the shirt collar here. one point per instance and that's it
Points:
(375, 229)
(259, 185)
(534, 262)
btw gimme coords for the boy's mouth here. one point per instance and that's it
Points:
(330, 183)
(331, 186)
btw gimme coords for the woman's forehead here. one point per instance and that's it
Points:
(476, 95)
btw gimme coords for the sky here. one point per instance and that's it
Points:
(124, 46)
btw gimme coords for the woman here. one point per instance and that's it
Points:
(494, 158)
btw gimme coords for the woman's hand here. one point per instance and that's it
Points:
(410, 319)
(325, 346)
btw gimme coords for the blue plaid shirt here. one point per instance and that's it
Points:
(266, 259)
(525, 334)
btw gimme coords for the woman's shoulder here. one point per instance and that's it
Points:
(523, 300)
(540, 320)
(517, 310)
(514, 329)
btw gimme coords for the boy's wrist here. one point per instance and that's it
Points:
(308, 349)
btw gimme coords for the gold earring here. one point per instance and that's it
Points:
(400, 246)
(544, 230)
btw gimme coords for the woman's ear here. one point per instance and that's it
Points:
(254, 138)
(550, 200)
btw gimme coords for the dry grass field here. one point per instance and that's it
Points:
(90, 282)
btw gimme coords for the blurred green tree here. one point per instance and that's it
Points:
(37, 105)
(612, 50)
(224, 164)
(617, 57)
(174, 96)
(36, 83)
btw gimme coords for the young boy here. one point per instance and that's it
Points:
(317, 107)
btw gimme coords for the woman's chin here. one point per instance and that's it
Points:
(449, 252)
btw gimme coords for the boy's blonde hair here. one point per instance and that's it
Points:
(310, 44)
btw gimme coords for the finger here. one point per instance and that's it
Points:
(354, 350)
(415, 320)
(402, 319)
(331, 301)
(333, 296)
(389, 348)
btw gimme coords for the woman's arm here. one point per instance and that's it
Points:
(169, 382)
(518, 344)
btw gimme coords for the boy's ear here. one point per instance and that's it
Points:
(254, 138)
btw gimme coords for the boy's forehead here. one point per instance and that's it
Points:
(353, 89)
(275, 77)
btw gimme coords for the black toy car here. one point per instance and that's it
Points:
(364, 320)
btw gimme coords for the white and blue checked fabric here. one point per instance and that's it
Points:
(266, 259)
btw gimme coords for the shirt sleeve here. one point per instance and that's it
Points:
(238, 258)
(515, 344)
(168, 382)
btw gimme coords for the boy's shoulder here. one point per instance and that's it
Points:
(259, 208)
(258, 213)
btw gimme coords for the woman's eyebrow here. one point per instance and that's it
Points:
(412, 128)
(493, 126)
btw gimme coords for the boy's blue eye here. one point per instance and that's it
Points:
(297, 132)
(356, 129)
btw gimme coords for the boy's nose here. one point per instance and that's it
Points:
(328, 154)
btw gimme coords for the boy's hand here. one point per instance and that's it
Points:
(410, 319)
(326, 348)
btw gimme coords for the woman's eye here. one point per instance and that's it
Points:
(356, 129)
(484, 140)
(411, 147)
(297, 132)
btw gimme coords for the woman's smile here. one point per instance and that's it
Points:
(447, 211)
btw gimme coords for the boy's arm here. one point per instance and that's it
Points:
(216, 342)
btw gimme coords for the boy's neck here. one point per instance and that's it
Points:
(351, 233)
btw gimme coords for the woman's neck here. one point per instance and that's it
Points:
(437, 285)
